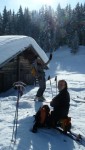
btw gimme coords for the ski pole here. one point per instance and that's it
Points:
(56, 84)
(20, 87)
(50, 85)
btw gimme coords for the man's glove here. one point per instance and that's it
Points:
(50, 57)
(49, 77)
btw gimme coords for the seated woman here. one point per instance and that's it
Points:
(60, 102)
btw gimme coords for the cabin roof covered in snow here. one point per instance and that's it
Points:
(11, 46)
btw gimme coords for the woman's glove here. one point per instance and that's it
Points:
(50, 57)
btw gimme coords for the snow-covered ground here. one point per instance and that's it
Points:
(66, 66)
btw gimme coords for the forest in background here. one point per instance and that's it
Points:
(50, 29)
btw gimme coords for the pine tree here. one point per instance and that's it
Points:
(4, 21)
(8, 25)
(20, 22)
(0, 24)
(13, 23)
(75, 43)
(27, 22)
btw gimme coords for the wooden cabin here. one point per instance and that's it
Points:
(17, 54)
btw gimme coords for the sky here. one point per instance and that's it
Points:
(36, 4)
(66, 66)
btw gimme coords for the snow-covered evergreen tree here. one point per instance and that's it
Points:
(75, 43)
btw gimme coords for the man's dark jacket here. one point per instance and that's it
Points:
(61, 104)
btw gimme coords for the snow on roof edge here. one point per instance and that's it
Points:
(17, 44)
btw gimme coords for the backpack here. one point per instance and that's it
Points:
(42, 114)
(33, 72)
(41, 118)
(65, 124)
